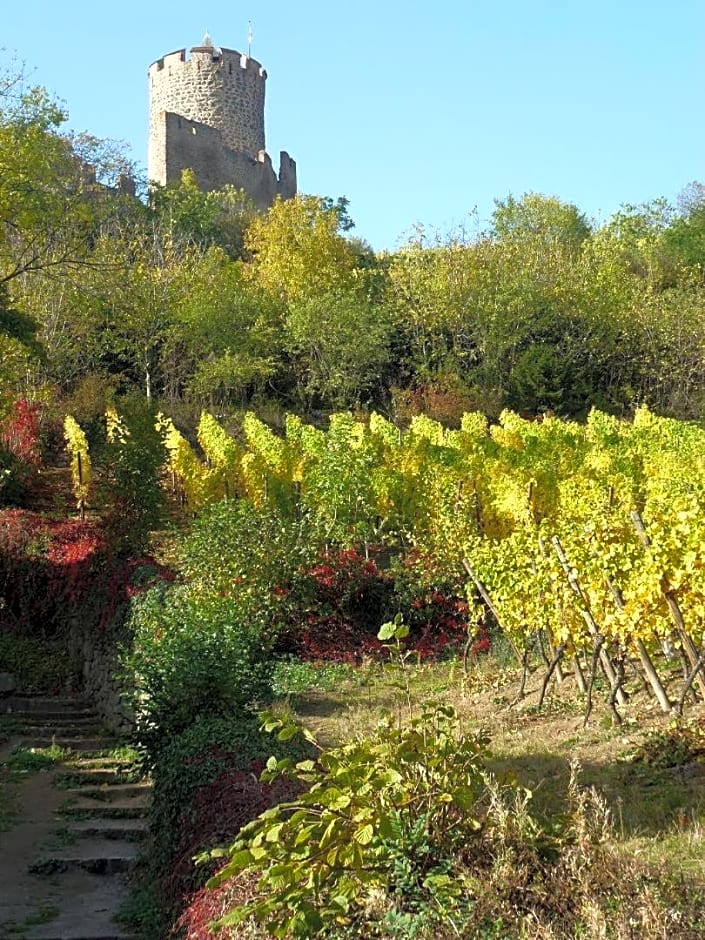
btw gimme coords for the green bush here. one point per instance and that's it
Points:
(16, 477)
(192, 656)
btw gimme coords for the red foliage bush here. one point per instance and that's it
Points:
(215, 814)
(333, 610)
(51, 571)
(208, 905)
(19, 432)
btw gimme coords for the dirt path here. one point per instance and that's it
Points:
(36, 802)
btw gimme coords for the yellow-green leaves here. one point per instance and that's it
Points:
(402, 800)
(81, 470)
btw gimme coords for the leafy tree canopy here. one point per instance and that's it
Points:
(538, 216)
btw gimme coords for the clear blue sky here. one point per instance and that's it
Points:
(417, 112)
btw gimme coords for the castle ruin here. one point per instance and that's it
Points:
(206, 113)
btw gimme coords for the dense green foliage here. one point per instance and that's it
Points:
(193, 656)
(392, 814)
(132, 457)
(38, 664)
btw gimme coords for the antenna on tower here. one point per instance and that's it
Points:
(249, 39)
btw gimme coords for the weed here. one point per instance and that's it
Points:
(294, 676)
(25, 760)
(43, 915)
(682, 742)
(122, 754)
(59, 839)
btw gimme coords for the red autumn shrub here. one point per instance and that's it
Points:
(333, 610)
(432, 600)
(208, 905)
(51, 572)
(19, 432)
(215, 814)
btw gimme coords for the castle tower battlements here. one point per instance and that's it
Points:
(207, 114)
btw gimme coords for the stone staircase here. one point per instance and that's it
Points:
(78, 878)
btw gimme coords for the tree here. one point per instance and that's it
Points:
(19, 349)
(633, 241)
(684, 238)
(545, 218)
(224, 342)
(50, 205)
(135, 295)
(519, 322)
(339, 344)
(219, 217)
(297, 250)
(335, 333)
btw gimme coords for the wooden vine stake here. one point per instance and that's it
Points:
(687, 645)
(553, 666)
(644, 658)
(81, 501)
(557, 652)
(689, 680)
(605, 661)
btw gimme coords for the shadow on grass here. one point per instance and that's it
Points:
(316, 704)
(643, 800)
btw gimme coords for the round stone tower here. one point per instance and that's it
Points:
(218, 87)
(206, 113)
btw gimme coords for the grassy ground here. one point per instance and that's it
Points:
(650, 769)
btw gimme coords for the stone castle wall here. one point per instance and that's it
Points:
(207, 114)
(191, 145)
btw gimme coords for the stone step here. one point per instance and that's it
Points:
(68, 929)
(96, 763)
(56, 719)
(94, 855)
(51, 714)
(42, 704)
(70, 743)
(109, 793)
(77, 719)
(72, 931)
(78, 777)
(135, 808)
(64, 730)
(111, 828)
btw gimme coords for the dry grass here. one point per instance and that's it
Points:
(657, 813)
